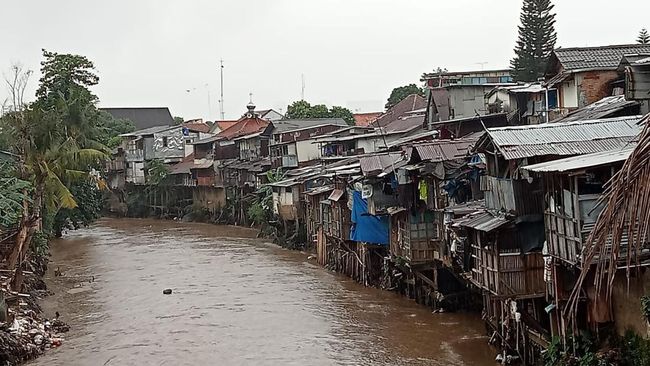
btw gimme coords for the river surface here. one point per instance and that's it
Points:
(236, 300)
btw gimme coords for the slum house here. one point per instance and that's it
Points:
(164, 143)
(572, 190)
(525, 104)
(350, 240)
(584, 75)
(417, 235)
(461, 94)
(242, 176)
(357, 141)
(291, 144)
(130, 162)
(506, 237)
(370, 197)
(616, 251)
(293, 207)
(198, 172)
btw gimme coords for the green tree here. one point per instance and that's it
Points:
(89, 200)
(299, 109)
(178, 120)
(157, 172)
(400, 93)
(536, 40)
(343, 113)
(55, 137)
(302, 109)
(644, 37)
(319, 111)
(111, 128)
(14, 193)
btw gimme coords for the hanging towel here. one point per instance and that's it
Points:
(423, 191)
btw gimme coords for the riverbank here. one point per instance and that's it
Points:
(26, 332)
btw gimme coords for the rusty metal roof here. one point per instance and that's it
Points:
(565, 138)
(377, 163)
(443, 150)
(482, 220)
(603, 108)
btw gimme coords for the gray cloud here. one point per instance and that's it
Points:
(352, 52)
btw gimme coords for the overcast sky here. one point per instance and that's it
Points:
(351, 52)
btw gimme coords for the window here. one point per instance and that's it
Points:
(164, 141)
(288, 189)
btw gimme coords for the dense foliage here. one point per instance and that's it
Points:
(536, 40)
(90, 202)
(400, 93)
(302, 109)
(14, 193)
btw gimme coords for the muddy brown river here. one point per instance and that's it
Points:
(236, 300)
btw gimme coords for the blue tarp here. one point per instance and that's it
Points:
(366, 227)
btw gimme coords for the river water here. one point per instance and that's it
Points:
(236, 300)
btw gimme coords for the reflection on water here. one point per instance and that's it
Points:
(236, 301)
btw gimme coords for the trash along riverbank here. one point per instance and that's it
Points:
(25, 331)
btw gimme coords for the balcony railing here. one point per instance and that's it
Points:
(135, 155)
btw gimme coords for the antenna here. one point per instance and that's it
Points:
(302, 92)
(221, 98)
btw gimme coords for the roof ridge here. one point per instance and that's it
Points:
(561, 124)
(602, 47)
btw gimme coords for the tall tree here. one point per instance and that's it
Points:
(398, 94)
(536, 40)
(644, 37)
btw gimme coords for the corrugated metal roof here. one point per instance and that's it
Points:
(443, 150)
(482, 221)
(582, 161)
(203, 165)
(318, 190)
(378, 162)
(288, 125)
(565, 138)
(600, 109)
(596, 58)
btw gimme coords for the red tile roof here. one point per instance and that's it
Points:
(245, 126)
(225, 124)
(411, 103)
(197, 126)
(364, 119)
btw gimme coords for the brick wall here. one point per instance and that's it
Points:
(594, 86)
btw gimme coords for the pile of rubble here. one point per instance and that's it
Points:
(27, 336)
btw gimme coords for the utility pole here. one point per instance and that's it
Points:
(302, 92)
(221, 98)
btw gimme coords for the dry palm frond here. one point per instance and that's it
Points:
(622, 229)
